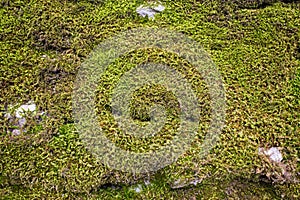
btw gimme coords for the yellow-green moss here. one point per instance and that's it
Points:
(256, 49)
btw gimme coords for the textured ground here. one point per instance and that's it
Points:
(255, 45)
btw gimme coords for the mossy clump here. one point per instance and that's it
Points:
(43, 44)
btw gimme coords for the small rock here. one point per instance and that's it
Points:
(159, 8)
(138, 188)
(273, 153)
(25, 108)
(150, 11)
(17, 118)
(16, 132)
(22, 122)
(181, 183)
(196, 181)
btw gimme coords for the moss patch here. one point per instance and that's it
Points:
(256, 49)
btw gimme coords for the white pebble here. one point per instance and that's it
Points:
(138, 188)
(16, 132)
(159, 8)
(273, 153)
(22, 122)
(149, 11)
(25, 108)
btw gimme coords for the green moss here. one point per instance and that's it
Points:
(256, 50)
